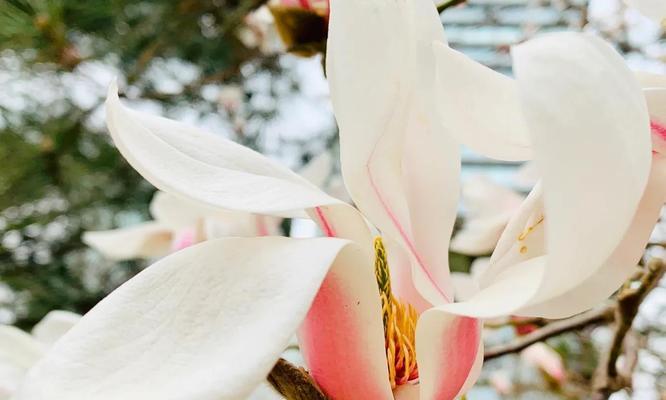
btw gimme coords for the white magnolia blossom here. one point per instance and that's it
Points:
(19, 351)
(210, 321)
(180, 222)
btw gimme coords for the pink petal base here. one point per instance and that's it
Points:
(447, 348)
(344, 357)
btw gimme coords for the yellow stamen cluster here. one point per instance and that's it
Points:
(399, 325)
(526, 232)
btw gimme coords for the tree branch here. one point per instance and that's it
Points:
(592, 317)
(608, 379)
(294, 383)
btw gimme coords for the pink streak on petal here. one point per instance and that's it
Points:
(184, 238)
(658, 129)
(464, 334)
(262, 229)
(333, 349)
(658, 137)
(325, 223)
(404, 235)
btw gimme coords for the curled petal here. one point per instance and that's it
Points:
(480, 107)
(621, 264)
(590, 131)
(188, 162)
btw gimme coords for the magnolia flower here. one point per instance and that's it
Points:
(19, 350)
(180, 222)
(577, 110)
(375, 317)
(489, 207)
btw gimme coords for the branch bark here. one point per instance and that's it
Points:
(608, 379)
(592, 317)
(294, 383)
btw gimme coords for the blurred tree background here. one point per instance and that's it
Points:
(219, 64)
(60, 173)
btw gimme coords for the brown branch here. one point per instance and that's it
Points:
(608, 379)
(294, 383)
(592, 317)
(449, 4)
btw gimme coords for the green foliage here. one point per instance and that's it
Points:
(60, 173)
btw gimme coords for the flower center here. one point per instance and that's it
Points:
(399, 325)
(526, 232)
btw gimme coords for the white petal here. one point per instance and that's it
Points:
(54, 325)
(653, 9)
(18, 348)
(479, 106)
(185, 161)
(384, 127)
(591, 138)
(650, 81)
(146, 240)
(621, 264)
(511, 290)
(208, 322)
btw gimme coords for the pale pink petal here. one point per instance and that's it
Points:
(208, 322)
(546, 359)
(501, 382)
(656, 101)
(449, 351)
(184, 238)
(146, 240)
(383, 127)
(593, 153)
(480, 107)
(342, 337)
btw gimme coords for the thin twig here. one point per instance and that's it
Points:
(448, 4)
(608, 379)
(592, 317)
(294, 383)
